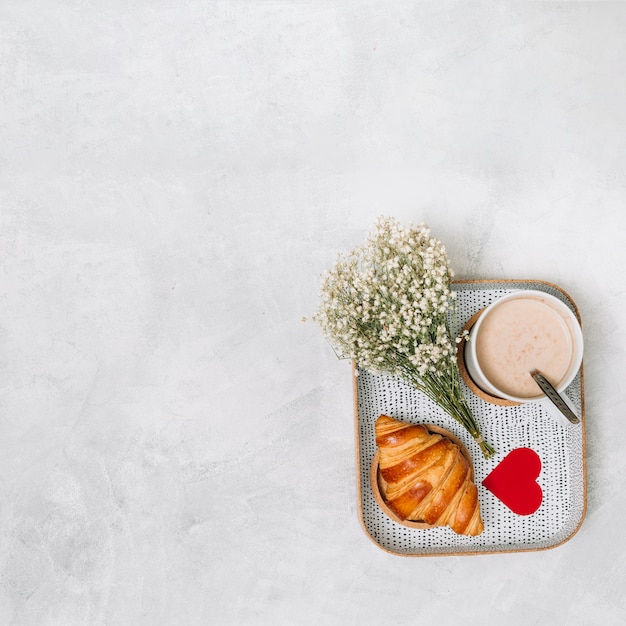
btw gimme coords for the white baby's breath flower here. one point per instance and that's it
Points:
(385, 306)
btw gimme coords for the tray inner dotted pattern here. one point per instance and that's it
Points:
(561, 449)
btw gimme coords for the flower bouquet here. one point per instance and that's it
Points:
(386, 305)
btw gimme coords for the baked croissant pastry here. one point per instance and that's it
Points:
(426, 477)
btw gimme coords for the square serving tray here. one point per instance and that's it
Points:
(560, 446)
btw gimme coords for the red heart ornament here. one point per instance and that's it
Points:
(514, 481)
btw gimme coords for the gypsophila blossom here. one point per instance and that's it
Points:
(385, 305)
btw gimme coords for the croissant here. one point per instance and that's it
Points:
(426, 477)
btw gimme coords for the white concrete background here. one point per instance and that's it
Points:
(176, 446)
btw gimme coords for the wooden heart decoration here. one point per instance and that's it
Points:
(514, 481)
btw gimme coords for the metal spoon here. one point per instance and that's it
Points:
(554, 396)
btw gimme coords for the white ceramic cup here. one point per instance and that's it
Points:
(573, 330)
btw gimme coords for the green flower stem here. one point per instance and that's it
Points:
(444, 388)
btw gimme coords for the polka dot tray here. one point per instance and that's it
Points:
(559, 445)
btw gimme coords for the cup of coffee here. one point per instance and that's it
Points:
(523, 331)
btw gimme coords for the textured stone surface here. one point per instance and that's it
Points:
(176, 446)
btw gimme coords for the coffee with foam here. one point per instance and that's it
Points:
(523, 331)
(521, 335)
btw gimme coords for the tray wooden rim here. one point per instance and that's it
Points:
(453, 552)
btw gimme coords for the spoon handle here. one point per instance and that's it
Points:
(554, 396)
